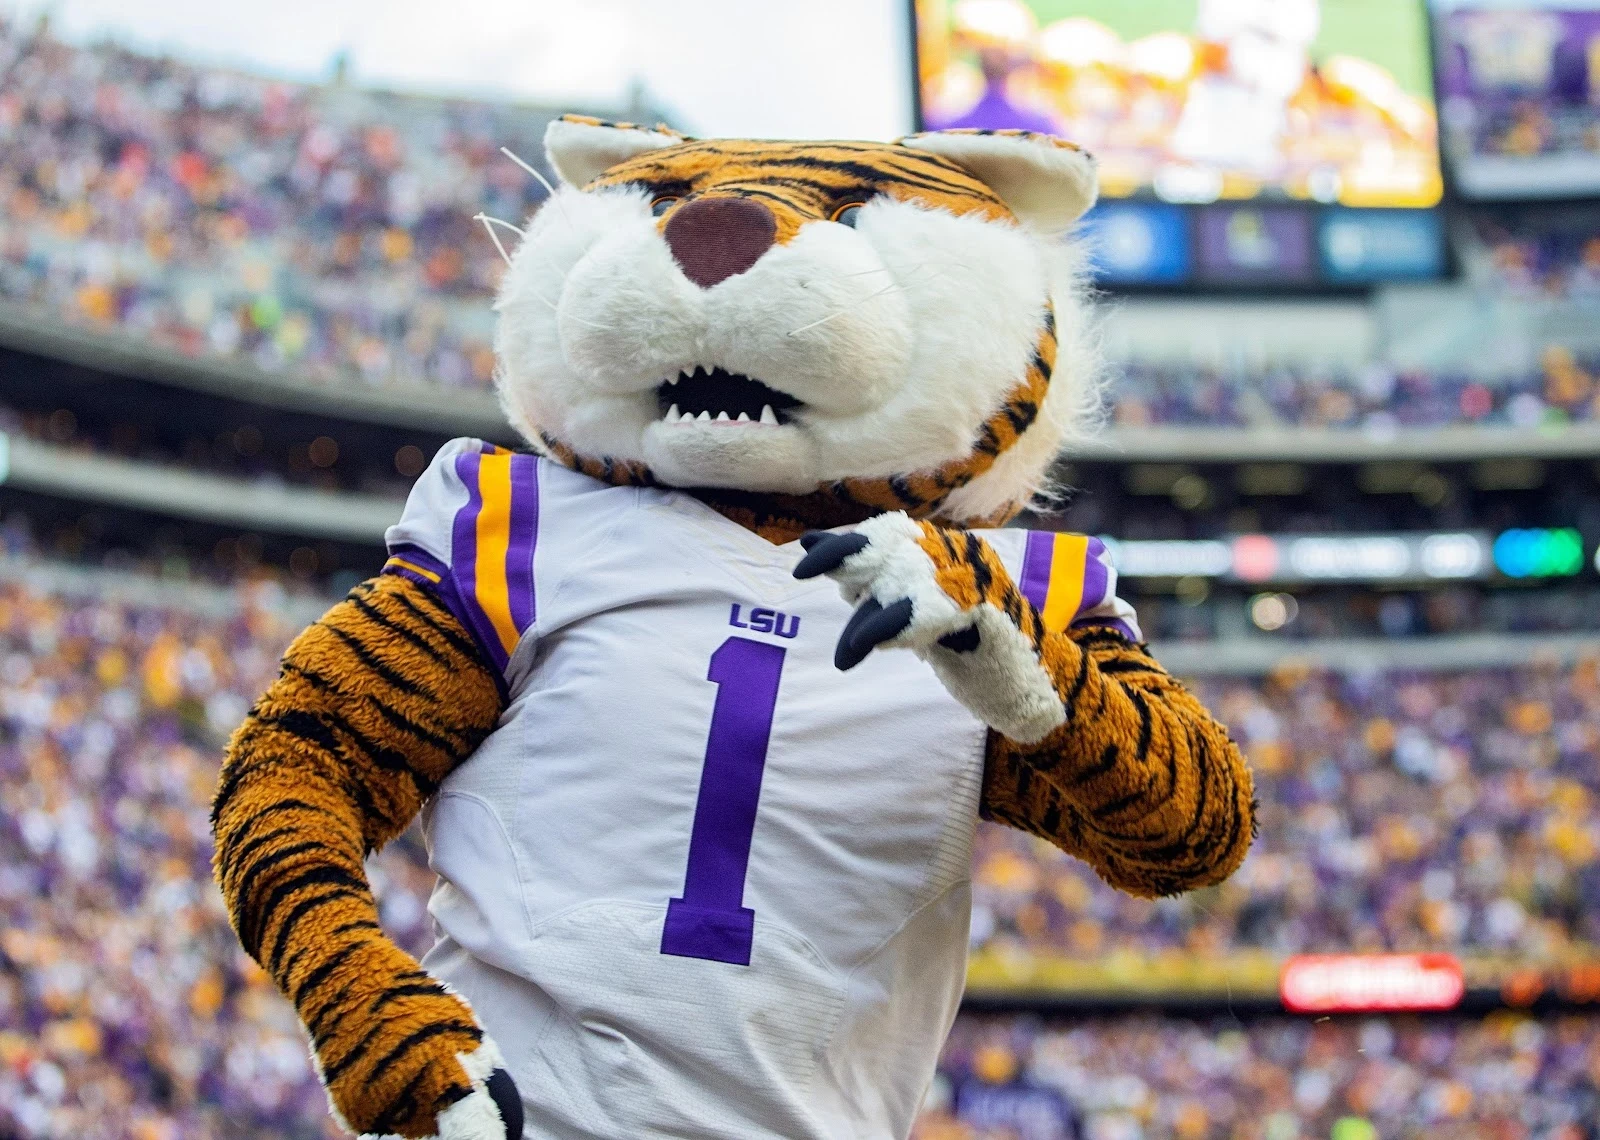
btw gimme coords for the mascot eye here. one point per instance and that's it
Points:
(846, 215)
(662, 204)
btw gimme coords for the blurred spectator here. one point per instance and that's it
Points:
(323, 230)
(1377, 400)
(327, 231)
(1131, 1078)
(1398, 811)
(126, 1006)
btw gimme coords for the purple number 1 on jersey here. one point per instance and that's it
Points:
(711, 920)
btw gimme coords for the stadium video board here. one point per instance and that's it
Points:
(1519, 96)
(1263, 143)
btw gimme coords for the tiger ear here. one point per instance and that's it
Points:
(581, 149)
(1045, 181)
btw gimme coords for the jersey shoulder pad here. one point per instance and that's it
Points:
(469, 532)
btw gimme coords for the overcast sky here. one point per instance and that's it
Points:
(777, 68)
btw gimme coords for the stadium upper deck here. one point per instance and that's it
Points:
(324, 235)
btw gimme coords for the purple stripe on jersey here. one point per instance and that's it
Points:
(1095, 577)
(1036, 559)
(1116, 624)
(464, 561)
(524, 537)
(420, 558)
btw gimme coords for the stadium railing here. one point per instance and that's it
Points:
(84, 475)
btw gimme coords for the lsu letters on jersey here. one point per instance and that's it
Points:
(699, 882)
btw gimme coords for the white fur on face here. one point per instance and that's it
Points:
(900, 337)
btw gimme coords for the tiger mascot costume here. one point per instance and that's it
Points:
(702, 695)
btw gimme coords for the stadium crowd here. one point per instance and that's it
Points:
(1452, 811)
(327, 231)
(1378, 400)
(322, 229)
(126, 1006)
(1507, 1077)
(1405, 812)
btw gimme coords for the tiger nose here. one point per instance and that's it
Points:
(714, 239)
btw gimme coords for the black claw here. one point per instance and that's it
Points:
(827, 552)
(962, 640)
(811, 537)
(888, 622)
(503, 1091)
(845, 655)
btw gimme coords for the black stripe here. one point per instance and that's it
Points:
(402, 1106)
(1146, 725)
(460, 643)
(248, 876)
(370, 659)
(418, 1037)
(299, 911)
(1078, 682)
(982, 578)
(1107, 761)
(455, 749)
(379, 618)
(225, 853)
(261, 915)
(315, 1025)
(322, 972)
(416, 989)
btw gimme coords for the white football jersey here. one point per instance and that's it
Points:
(698, 882)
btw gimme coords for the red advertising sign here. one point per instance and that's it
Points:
(1359, 983)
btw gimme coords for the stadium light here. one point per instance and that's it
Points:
(1537, 553)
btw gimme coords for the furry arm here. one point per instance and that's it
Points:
(1093, 746)
(376, 703)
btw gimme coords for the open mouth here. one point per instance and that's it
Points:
(718, 396)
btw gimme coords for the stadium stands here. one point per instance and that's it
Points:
(1399, 811)
(322, 230)
(126, 1008)
(1271, 1079)
(310, 249)
(325, 233)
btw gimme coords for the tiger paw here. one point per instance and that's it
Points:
(943, 594)
(467, 1096)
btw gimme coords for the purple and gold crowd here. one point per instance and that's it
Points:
(1378, 400)
(321, 230)
(326, 231)
(1505, 1077)
(126, 1007)
(1398, 812)
(1407, 812)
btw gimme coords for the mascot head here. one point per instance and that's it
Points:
(809, 331)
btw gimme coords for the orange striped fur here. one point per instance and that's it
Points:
(375, 705)
(1140, 782)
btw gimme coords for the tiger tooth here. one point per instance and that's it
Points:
(703, 417)
(744, 417)
(672, 414)
(722, 417)
(768, 416)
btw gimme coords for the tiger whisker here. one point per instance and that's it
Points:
(542, 180)
(489, 225)
(832, 316)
